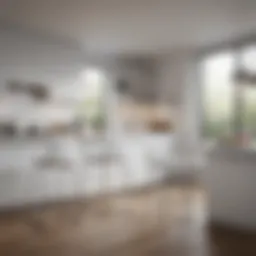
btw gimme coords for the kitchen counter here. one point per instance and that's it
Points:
(22, 182)
(230, 179)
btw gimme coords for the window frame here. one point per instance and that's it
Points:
(236, 48)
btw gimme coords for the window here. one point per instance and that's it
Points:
(247, 84)
(229, 96)
(248, 58)
(218, 95)
(92, 110)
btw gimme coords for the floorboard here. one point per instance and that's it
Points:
(164, 220)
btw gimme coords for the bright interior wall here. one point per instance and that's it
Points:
(179, 87)
(53, 62)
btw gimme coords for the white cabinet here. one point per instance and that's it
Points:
(230, 180)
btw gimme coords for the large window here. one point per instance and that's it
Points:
(229, 96)
(218, 94)
(92, 110)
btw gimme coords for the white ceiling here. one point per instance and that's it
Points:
(134, 26)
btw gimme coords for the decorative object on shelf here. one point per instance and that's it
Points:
(33, 131)
(52, 163)
(122, 86)
(8, 129)
(59, 128)
(160, 126)
(15, 86)
(38, 91)
(242, 76)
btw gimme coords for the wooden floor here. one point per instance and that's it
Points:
(170, 220)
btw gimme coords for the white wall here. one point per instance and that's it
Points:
(171, 82)
(32, 58)
(180, 88)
